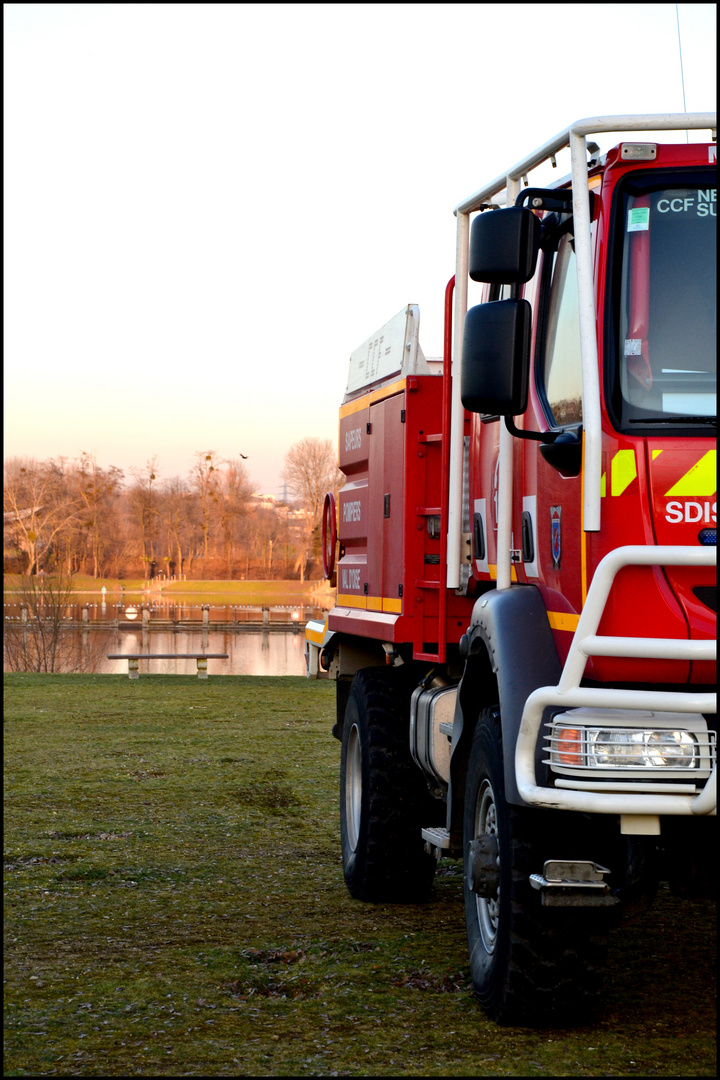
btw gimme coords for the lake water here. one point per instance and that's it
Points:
(274, 651)
(250, 652)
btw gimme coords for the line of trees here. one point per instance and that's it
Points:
(77, 516)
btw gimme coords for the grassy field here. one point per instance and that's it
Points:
(241, 589)
(175, 906)
(83, 583)
(199, 592)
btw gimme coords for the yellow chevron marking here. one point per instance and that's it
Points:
(701, 479)
(656, 453)
(603, 485)
(624, 471)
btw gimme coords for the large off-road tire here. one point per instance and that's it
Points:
(383, 796)
(530, 964)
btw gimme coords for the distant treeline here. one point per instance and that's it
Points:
(78, 516)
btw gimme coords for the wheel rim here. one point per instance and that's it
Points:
(353, 786)
(488, 910)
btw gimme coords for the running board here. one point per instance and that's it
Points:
(437, 841)
(573, 884)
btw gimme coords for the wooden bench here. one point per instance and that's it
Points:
(134, 658)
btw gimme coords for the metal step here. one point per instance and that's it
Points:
(436, 840)
(573, 884)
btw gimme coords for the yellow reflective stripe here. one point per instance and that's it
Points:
(370, 399)
(318, 636)
(371, 603)
(492, 570)
(392, 604)
(701, 479)
(563, 620)
(656, 453)
(624, 471)
(348, 600)
(603, 486)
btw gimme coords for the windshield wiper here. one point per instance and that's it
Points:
(673, 420)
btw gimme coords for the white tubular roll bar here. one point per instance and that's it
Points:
(505, 472)
(455, 509)
(574, 137)
(569, 694)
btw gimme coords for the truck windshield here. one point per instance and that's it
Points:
(666, 300)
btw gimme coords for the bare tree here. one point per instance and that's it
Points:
(96, 487)
(144, 503)
(310, 472)
(38, 506)
(259, 539)
(231, 495)
(80, 515)
(268, 532)
(40, 641)
(175, 508)
(205, 481)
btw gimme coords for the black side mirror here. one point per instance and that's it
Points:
(496, 358)
(504, 246)
(565, 453)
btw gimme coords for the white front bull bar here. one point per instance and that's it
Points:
(569, 694)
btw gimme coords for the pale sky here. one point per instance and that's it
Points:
(209, 206)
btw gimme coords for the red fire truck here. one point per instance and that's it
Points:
(523, 637)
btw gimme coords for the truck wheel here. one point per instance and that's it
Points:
(383, 798)
(529, 963)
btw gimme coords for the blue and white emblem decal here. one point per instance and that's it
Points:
(555, 536)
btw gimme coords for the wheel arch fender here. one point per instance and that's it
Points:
(510, 628)
(476, 690)
(345, 655)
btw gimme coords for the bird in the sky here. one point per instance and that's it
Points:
(243, 456)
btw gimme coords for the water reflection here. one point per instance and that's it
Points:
(250, 652)
(94, 627)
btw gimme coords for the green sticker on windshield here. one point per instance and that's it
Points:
(638, 219)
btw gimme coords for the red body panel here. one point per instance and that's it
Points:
(389, 567)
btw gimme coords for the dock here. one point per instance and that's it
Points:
(181, 625)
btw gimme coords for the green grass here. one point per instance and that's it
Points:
(83, 584)
(241, 592)
(175, 906)
(225, 592)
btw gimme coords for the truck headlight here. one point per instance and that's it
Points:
(623, 748)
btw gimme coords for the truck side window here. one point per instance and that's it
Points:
(560, 369)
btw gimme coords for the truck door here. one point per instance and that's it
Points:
(659, 463)
(551, 510)
(385, 545)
